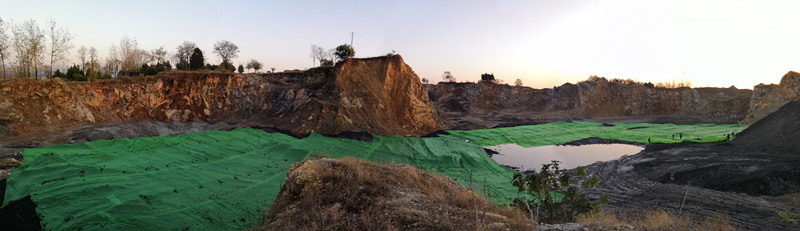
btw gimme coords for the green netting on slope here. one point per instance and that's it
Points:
(563, 132)
(215, 180)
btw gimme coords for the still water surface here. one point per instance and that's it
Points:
(570, 156)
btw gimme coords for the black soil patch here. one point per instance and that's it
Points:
(436, 134)
(608, 125)
(595, 140)
(2, 191)
(362, 136)
(278, 130)
(20, 215)
(490, 152)
(634, 128)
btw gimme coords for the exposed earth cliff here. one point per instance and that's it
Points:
(768, 98)
(482, 105)
(380, 95)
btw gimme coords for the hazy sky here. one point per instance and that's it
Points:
(544, 43)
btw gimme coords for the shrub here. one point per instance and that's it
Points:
(549, 183)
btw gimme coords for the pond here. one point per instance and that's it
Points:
(570, 156)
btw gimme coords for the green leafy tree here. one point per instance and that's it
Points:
(325, 63)
(241, 69)
(91, 76)
(227, 67)
(486, 77)
(344, 52)
(74, 73)
(197, 60)
(254, 64)
(58, 74)
(555, 199)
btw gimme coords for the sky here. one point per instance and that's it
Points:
(543, 43)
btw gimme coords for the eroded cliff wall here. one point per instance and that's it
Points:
(767, 99)
(481, 105)
(378, 95)
(676, 105)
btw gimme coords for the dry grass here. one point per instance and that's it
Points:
(654, 220)
(352, 194)
(791, 199)
(717, 222)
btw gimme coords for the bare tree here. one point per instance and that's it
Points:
(254, 64)
(518, 83)
(129, 54)
(447, 77)
(82, 56)
(4, 45)
(113, 61)
(160, 55)
(185, 51)
(29, 46)
(93, 59)
(60, 43)
(226, 50)
(145, 57)
(317, 53)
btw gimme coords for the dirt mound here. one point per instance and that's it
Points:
(741, 178)
(486, 105)
(776, 133)
(350, 194)
(761, 160)
(378, 95)
(769, 98)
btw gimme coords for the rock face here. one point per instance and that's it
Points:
(481, 105)
(378, 95)
(769, 98)
(350, 194)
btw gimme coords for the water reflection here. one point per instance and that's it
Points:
(570, 156)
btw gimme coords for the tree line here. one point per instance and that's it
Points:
(30, 50)
(327, 58)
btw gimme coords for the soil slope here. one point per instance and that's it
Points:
(329, 194)
(741, 179)
(484, 105)
(377, 95)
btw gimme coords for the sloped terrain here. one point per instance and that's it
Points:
(349, 194)
(213, 179)
(742, 178)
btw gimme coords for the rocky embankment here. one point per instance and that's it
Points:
(380, 95)
(769, 98)
(484, 105)
(749, 179)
